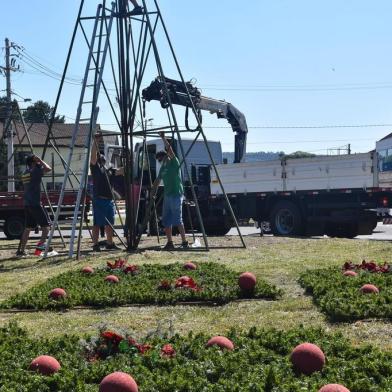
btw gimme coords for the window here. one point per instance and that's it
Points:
(385, 160)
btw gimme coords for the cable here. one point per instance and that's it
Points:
(316, 87)
(286, 127)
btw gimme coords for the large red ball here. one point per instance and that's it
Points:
(307, 358)
(221, 342)
(247, 281)
(350, 273)
(190, 266)
(112, 279)
(369, 289)
(118, 382)
(88, 270)
(45, 364)
(57, 293)
(334, 388)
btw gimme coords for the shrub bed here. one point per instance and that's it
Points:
(259, 362)
(343, 297)
(146, 284)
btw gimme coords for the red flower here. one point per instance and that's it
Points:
(112, 337)
(142, 348)
(370, 266)
(165, 285)
(118, 264)
(132, 269)
(187, 283)
(348, 265)
(168, 351)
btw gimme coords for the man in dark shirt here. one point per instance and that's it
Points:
(103, 205)
(35, 214)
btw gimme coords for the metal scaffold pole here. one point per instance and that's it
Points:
(131, 52)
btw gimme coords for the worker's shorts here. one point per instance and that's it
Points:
(172, 211)
(36, 216)
(103, 211)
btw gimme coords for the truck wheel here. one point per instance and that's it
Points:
(343, 231)
(14, 227)
(217, 231)
(286, 219)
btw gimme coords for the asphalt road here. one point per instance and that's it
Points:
(381, 233)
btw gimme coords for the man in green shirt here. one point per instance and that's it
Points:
(170, 174)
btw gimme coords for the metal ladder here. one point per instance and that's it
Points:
(98, 49)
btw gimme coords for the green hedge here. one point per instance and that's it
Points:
(259, 362)
(339, 297)
(217, 283)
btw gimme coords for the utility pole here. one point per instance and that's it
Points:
(10, 134)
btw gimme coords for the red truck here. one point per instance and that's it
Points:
(12, 212)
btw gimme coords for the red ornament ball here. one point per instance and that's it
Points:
(334, 388)
(247, 281)
(350, 273)
(369, 289)
(57, 293)
(112, 279)
(221, 342)
(307, 358)
(118, 382)
(45, 365)
(190, 266)
(87, 270)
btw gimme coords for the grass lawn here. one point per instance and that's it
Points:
(279, 261)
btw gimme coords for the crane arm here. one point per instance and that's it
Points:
(179, 96)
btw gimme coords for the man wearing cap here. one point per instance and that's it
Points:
(170, 174)
(103, 204)
(35, 214)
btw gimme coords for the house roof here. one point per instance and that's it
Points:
(386, 137)
(62, 133)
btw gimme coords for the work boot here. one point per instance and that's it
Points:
(96, 248)
(185, 245)
(169, 246)
(21, 254)
(112, 246)
(136, 11)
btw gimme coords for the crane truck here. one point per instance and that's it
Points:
(333, 195)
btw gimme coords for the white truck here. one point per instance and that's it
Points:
(334, 195)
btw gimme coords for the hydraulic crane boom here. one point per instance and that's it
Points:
(179, 96)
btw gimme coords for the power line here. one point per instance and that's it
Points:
(316, 87)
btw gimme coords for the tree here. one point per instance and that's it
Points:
(40, 112)
(3, 166)
(299, 154)
(4, 110)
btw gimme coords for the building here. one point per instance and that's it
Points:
(62, 134)
(384, 152)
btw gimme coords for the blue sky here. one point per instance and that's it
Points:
(283, 63)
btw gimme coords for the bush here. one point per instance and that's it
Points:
(260, 362)
(143, 285)
(339, 296)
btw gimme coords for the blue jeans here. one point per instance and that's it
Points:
(103, 209)
(172, 211)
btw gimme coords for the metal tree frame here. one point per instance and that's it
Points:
(136, 44)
